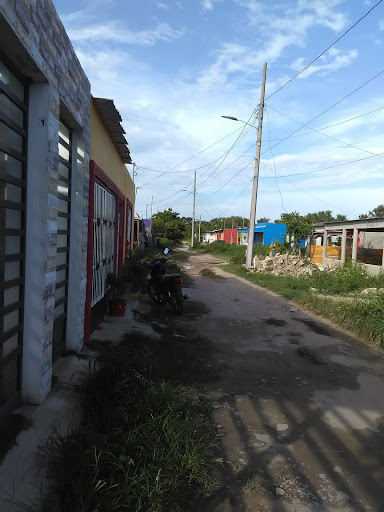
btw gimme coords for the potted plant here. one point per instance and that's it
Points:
(117, 304)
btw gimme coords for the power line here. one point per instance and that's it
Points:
(322, 53)
(324, 134)
(241, 135)
(323, 168)
(238, 197)
(324, 127)
(311, 195)
(274, 163)
(190, 158)
(329, 108)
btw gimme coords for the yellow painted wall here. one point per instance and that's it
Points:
(106, 156)
(333, 252)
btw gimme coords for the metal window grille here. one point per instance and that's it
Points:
(63, 240)
(13, 135)
(103, 241)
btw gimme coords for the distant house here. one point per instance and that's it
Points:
(211, 236)
(362, 240)
(266, 233)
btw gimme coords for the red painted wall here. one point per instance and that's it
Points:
(96, 174)
(227, 235)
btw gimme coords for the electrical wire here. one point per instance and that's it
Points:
(324, 127)
(322, 53)
(328, 109)
(309, 194)
(324, 168)
(238, 197)
(324, 134)
(274, 163)
(223, 156)
(190, 158)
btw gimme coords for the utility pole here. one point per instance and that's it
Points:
(232, 232)
(199, 227)
(193, 213)
(251, 234)
(151, 220)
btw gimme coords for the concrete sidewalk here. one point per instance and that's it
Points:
(31, 425)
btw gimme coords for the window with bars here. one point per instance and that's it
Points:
(13, 108)
(63, 240)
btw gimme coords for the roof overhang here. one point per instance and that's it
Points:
(111, 119)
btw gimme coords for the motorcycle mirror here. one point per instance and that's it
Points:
(166, 250)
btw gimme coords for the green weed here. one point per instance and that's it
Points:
(144, 445)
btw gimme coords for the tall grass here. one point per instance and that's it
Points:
(143, 447)
(233, 253)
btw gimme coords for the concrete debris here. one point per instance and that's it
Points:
(368, 291)
(286, 264)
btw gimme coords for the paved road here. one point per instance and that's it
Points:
(300, 405)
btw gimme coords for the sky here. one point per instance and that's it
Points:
(174, 67)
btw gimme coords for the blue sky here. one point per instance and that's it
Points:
(173, 67)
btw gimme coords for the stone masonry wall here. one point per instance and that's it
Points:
(39, 29)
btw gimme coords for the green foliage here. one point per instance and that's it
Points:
(144, 445)
(263, 219)
(168, 224)
(298, 227)
(233, 253)
(165, 242)
(376, 212)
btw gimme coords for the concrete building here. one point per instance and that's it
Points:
(111, 203)
(44, 188)
(361, 240)
(266, 233)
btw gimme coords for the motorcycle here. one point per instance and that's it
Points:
(164, 287)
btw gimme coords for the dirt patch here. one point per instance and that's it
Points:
(310, 354)
(314, 326)
(275, 321)
(10, 429)
(207, 272)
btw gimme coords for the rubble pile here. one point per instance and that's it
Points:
(283, 264)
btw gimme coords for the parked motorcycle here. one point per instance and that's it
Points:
(164, 287)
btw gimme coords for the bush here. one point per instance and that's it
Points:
(165, 242)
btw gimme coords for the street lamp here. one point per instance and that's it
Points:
(252, 217)
(240, 120)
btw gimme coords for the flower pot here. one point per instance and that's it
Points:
(117, 308)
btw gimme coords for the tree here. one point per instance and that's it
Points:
(320, 217)
(298, 227)
(168, 224)
(363, 216)
(263, 219)
(340, 217)
(377, 212)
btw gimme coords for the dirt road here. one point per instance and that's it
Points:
(299, 405)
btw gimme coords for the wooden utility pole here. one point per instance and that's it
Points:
(251, 234)
(199, 228)
(193, 213)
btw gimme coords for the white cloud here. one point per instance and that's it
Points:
(333, 60)
(160, 5)
(114, 31)
(381, 24)
(206, 5)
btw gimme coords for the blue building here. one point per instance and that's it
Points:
(266, 233)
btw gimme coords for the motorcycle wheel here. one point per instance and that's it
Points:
(152, 293)
(176, 303)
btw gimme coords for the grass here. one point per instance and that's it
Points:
(235, 254)
(146, 442)
(207, 272)
(337, 298)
